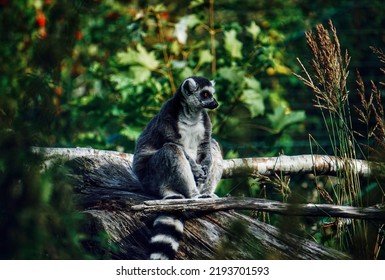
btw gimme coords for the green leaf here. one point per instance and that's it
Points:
(128, 57)
(232, 74)
(178, 64)
(253, 83)
(140, 56)
(147, 59)
(254, 30)
(136, 75)
(277, 116)
(232, 44)
(175, 48)
(116, 111)
(195, 3)
(254, 102)
(120, 81)
(132, 133)
(282, 118)
(159, 8)
(253, 97)
(186, 72)
(205, 57)
(139, 74)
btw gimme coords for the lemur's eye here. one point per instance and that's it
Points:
(205, 94)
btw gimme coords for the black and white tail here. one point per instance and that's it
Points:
(167, 232)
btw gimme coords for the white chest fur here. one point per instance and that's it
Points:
(191, 136)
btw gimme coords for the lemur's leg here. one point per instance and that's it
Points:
(169, 173)
(215, 172)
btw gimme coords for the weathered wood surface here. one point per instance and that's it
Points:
(129, 229)
(301, 164)
(265, 205)
(100, 183)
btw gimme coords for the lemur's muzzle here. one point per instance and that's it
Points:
(211, 105)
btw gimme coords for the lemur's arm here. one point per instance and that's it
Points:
(200, 173)
(204, 157)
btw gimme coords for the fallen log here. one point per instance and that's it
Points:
(207, 235)
(111, 208)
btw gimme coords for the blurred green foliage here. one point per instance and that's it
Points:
(92, 73)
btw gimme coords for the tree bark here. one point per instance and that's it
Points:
(207, 235)
(265, 205)
(122, 214)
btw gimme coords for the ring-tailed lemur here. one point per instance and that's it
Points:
(175, 157)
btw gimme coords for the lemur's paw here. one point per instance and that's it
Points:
(174, 196)
(207, 195)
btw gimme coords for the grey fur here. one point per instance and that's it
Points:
(175, 156)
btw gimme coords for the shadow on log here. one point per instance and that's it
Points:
(101, 186)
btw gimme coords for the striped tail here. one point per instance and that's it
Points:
(167, 232)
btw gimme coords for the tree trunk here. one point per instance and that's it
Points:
(112, 208)
(215, 235)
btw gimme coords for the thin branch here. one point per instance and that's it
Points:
(300, 164)
(166, 56)
(212, 38)
(264, 205)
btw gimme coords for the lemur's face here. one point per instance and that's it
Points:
(199, 92)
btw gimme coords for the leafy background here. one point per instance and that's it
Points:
(89, 73)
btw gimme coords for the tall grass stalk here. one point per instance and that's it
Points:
(328, 82)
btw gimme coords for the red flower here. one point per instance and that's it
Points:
(41, 19)
(58, 91)
(78, 35)
(164, 15)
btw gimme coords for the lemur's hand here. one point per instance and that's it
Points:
(200, 174)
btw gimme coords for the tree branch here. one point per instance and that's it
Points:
(301, 164)
(266, 166)
(236, 203)
(73, 153)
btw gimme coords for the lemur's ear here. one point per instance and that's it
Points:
(189, 86)
(212, 83)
